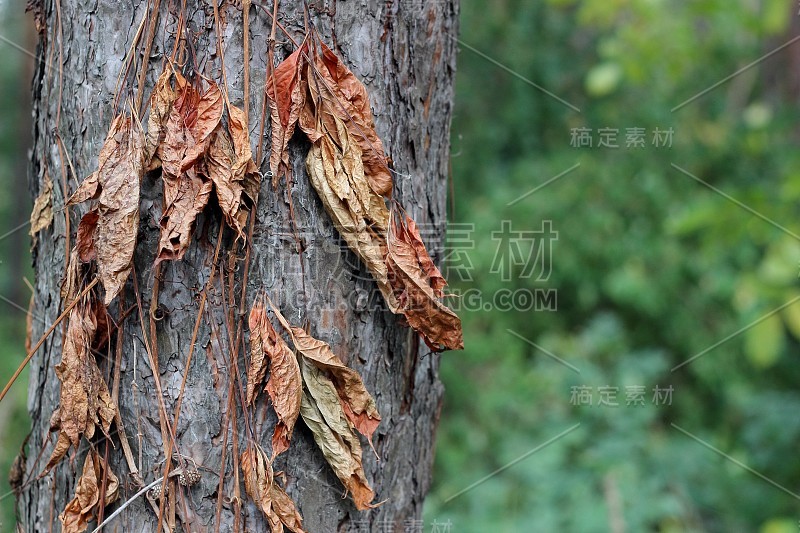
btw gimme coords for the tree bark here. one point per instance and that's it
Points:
(404, 52)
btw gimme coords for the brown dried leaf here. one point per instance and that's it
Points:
(240, 135)
(229, 164)
(285, 510)
(286, 92)
(119, 171)
(270, 499)
(192, 120)
(62, 446)
(357, 403)
(161, 100)
(116, 187)
(359, 214)
(85, 400)
(89, 189)
(72, 277)
(219, 169)
(417, 284)
(84, 506)
(84, 241)
(285, 386)
(257, 370)
(42, 213)
(186, 196)
(257, 472)
(335, 89)
(322, 412)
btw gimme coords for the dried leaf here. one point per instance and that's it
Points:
(285, 386)
(357, 403)
(257, 369)
(270, 499)
(417, 284)
(359, 214)
(285, 509)
(229, 164)
(161, 100)
(192, 120)
(240, 135)
(257, 472)
(84, 506)
(89, 189)
(286, 92)
(85, 400)
(219, 169)
(116, 187)
(62, 446)
(323, 414)
(84, 241)
(71, 282)
(337, 91)
(42, 214)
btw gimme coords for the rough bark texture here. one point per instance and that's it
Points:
(404, 52)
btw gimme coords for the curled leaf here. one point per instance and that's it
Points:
(335, 91)
(284, 386)
(359, 214)
(418, 284)
(270, 499)
(115, 185)
(85, 504)
(286, 93)
(192, 120)
(323, 414)
(161, 100)
(357, 403)
(85, 400)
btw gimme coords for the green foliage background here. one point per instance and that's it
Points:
(651, 268)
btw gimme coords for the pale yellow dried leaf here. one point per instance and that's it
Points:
(42, 213)
(357, 403)
(322, 412)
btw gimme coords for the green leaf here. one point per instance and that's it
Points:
(764, 341)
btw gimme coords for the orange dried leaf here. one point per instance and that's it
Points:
(192, 120)
(284, 385)
(417, 285)
(286, 93)
(85, 504)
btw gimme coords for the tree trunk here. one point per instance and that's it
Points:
(404, 52)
